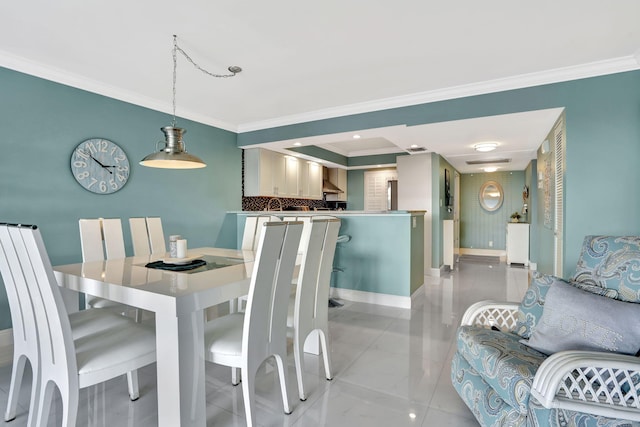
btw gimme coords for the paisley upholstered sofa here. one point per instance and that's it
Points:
(567, 355)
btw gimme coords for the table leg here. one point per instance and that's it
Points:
(180, 364)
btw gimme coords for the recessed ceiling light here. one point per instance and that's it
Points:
(378, 166)
(490, 169)
(356, 136)
(414, 145)
(297, 144)
(483, 147)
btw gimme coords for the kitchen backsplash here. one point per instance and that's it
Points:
(260, 203)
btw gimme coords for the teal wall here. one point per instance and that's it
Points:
(355, 189)
(603, 145)
(477, 226)
(44, 121)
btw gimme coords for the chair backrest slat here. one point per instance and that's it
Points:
(156, 236)
(266, 312)
(249, 234)
(313, 285)
(91, 240)
(139, 236)
(113, 238)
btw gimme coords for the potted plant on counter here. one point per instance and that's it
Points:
(515, 217)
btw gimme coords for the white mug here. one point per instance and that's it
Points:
(173, 245)
(181, 248)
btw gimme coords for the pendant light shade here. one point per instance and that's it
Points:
(173, 155)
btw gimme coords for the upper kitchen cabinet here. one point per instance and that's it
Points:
(271, 174)
(338, 177)
(310, 180)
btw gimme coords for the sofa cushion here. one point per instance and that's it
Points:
(613, 263)
(574, 319)
(507, 365)
(488, 408)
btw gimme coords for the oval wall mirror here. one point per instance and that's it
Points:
(491, 196)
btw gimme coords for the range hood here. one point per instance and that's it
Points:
(329, 187)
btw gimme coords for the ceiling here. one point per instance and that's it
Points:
(306, 61)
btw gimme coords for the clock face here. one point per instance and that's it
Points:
(100, 166)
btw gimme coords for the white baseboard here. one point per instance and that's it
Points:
(371, 297)
(484, 252)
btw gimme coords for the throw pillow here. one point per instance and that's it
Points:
(574, 319)
(530, 309)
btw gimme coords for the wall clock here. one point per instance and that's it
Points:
(100, 166)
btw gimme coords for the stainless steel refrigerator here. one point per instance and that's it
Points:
(392, 195)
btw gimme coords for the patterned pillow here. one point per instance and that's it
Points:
(611, 262)
(530, 309)
(532, 305)
(574, 319)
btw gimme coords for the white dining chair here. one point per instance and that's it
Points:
(245, 340)
(69, 362)
(308, 309)
(83, 323)
(253, 226)
(139, 236)
(260, 220)
(156, 236)
(25, 335)
(102, 239)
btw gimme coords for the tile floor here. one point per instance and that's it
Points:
(391, 367)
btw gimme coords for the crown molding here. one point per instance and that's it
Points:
(593, 69)
(67, 78)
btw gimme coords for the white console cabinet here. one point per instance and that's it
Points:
(518, 243)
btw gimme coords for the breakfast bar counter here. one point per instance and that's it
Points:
(382, 263)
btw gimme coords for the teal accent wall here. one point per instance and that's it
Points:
(378, 159)
(44, 121)
(355, 189)
(321, 153)
(477, 226)
(603, 145)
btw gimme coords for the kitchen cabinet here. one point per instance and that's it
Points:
(518, 243)
(309, 180)
(272, 174)
(338, 177)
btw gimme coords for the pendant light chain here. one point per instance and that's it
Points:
(233, 69)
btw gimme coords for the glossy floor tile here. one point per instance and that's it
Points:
(391, 367)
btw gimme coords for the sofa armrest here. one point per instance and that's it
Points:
(598, 383)
(492, 313)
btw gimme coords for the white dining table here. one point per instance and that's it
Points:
(178, 300)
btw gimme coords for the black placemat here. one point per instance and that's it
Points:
(177, 267)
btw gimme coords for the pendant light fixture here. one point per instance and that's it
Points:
(174, 154)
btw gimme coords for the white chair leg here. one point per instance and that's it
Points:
(282, 371)
(17, 373)
(233, 305)
(249, 396)
(299, 362)
(70, 400)
(235, 376)
(44, 404)
(132, 383)
(325, 354)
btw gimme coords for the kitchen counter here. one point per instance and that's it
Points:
(383, 263)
